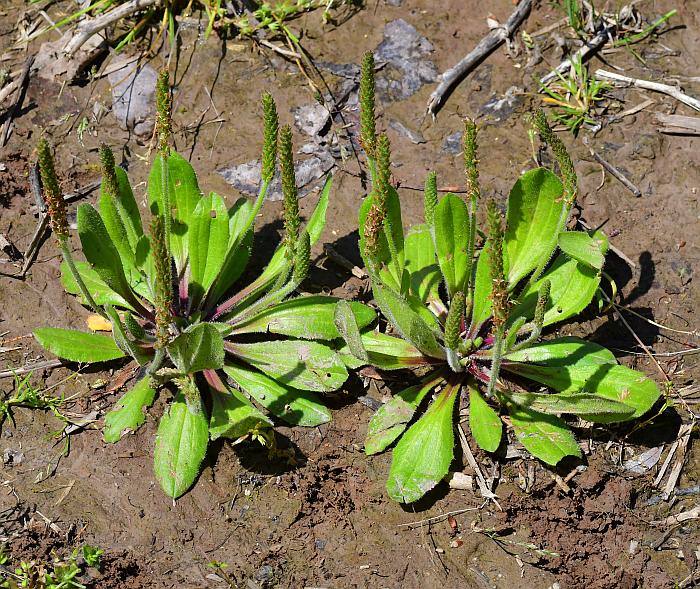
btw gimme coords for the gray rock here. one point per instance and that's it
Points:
(12, 457)
(246, 177)
(414, 136)
(133, 97)
(453, 143)
(312, 119)
(51, 62)
(501, 108)
(403, 53)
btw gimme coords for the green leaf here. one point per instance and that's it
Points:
(305, 365)
(181, 443)
(589, 368)
(101, 253)
(127, 345)
(347, 326)
(208, 244)
(407, 322)
(102, 294)
(122, 218)
(451, 240)
(573, 286)
(233, 416)
(424, 273)
(589, 249)
(392, 418)
(198, 348)
(424, 453)
(545, 436)
(386, 353)
(127, 414)
(534, 211)
(484, 422)
(238, 251)
(306, 317)
(574, 403)
(184, 195)
(292, 405)
(78, 346)
(563, 351)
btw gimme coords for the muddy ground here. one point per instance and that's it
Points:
(321, 517)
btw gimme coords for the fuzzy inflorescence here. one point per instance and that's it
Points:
(292, 221)
(470, 158)
(270, 127)
(499, 284)
(52, 193)
(368, 133)
(430, 200)
(163, 282)
(566, 166)
(109, 175)
(163, 112)
(453, 323)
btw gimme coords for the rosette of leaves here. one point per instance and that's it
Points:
(175, 304)
(470, 322)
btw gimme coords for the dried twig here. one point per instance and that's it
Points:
(22, 84)
(678, 124)
(89, 27)
(30, 368)
(486, 493)
(625, 81)
(586, 50)
(438, 518)
(614, 172)
(453, 76)
(679, 518)
(683, 439)
(341, 260)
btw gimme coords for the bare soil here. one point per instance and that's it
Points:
(317, 515)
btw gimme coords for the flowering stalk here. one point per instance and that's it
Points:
(473, 192)
(430, 201)
(300, 271)
(292, 222)
(163, 282)
(267, 171)
(499, 292)
(538, 322)
(453, 330)
(381, 196)
(58, 220)
(164, 132)
(568, 173)
(368, 131)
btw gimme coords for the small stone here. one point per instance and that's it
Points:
(403, 51)
(501, 108)
(133, 97)
(12, 457)
(414, 136)
(312, 119)
(246, 177)
(453, 143)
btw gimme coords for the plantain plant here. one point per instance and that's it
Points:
(470, 322)
(173, 301)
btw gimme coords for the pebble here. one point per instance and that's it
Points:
(133, 97)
